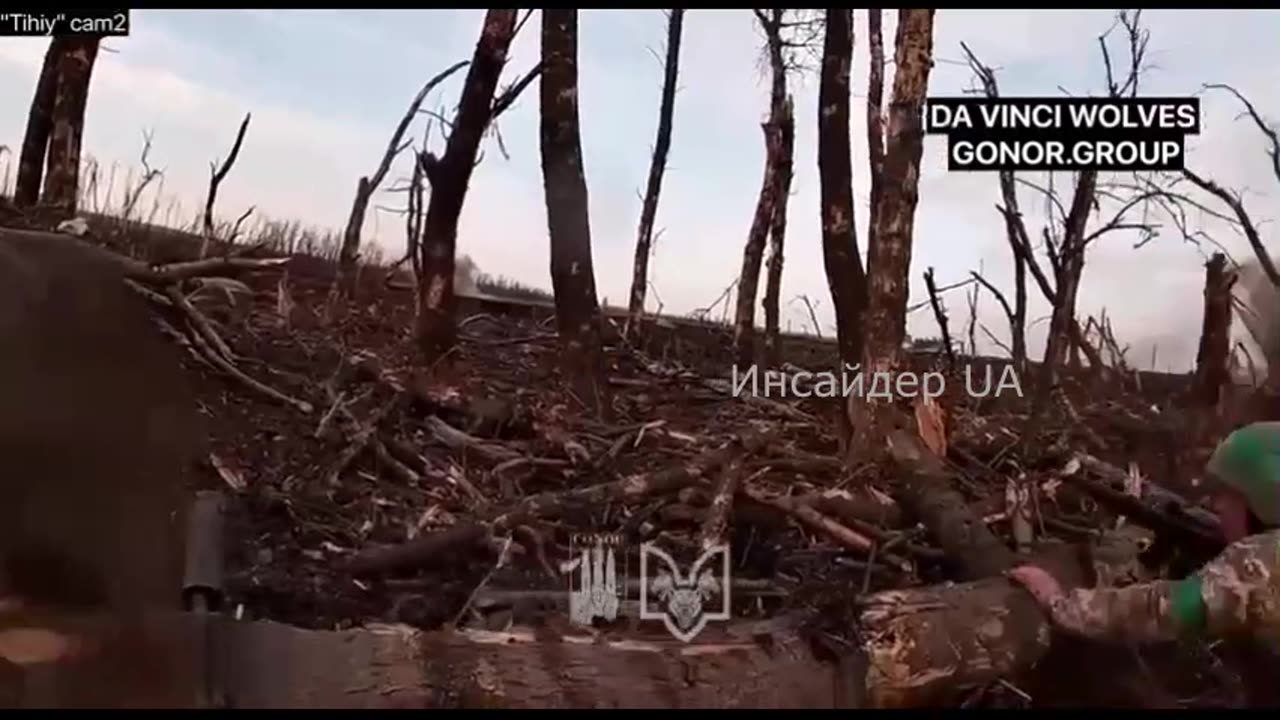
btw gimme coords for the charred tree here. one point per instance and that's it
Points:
(217, 174)
(1067, 271)
(572, 274)
(893, 216)
(367, 185)
(1214, 355)
(35, 143)
(449, 176)
(744, 323)
(71, 93)
(1067, 236)
(777, 236)
(753, 252)
(835, 174)
(657, 167)
(875, 116)
(1015, 234)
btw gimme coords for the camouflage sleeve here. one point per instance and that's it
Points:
(1236, 593)
(1137, 613)
(1241, 588)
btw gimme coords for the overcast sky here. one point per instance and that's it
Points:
(326, 88)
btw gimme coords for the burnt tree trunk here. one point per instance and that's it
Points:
(449, 176)
(744, 324)
(1018, 315)
(777, 237)
(35, 143)
(572, 274)
(349, 255)
(840, 256)
(889, 256)
(1015, 233)
(62, 174)
(657, 167)
(1067, 271)
(875, 117)
(1214, 355)
(753, 253)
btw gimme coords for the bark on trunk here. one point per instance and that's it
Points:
(889, 257)
(875, 116)
(350, 252)
(1013, 226)
(840, 256)
(753, 254)
(777, 238)
(1214, 356)
(657, 167)
(74, 69)
(925, 493)
(572, 274)
(35, 143)
(449, 176)
(744, 325)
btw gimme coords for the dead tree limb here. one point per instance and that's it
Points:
(508, 96)
(721, 505)
(1015, 234)
(940, 314)
(368, 184)
(1267, 130)
(1246, 223)
(432, 548)
(925, 493)
(657, 168)
(149, 175)
(218, 173)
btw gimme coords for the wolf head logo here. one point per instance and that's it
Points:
(683, 599)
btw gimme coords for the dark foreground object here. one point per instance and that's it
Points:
(97, 429)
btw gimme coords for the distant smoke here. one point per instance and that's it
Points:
(465, 273)
(1262, 318)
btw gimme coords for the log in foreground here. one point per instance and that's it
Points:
(918, 647)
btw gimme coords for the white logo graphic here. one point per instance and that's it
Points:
(684, 597)
(597, 592)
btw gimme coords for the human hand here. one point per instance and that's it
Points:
(1043, 586)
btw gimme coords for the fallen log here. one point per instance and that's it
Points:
(925, 492)
(1161, 510)
(917, 647)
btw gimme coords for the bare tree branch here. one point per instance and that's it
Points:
(216, 176)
